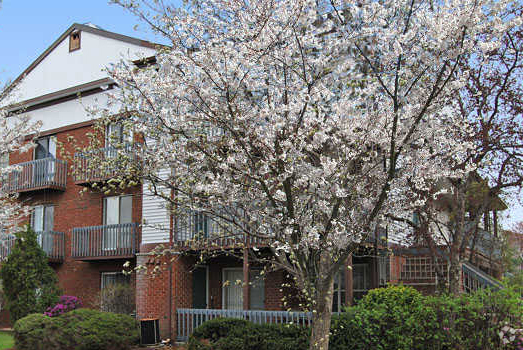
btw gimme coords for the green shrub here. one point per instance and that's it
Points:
(401, 318)
(81, 329)
(235, 334)
(30, 332)
(29, 283)
(381, 320)
(388, 319)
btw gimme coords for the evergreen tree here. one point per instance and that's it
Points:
(30, 284)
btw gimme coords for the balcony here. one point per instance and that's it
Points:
(51, 242)
(104, 242)
(196, 230)
(47, 173)
(102, 164)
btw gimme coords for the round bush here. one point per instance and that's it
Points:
(30, 332)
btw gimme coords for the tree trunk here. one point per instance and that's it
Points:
(321, 319)
(454, 274)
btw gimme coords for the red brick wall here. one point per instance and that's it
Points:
(152, 289)
(73, 209)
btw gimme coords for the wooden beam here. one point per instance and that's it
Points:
(246, 289)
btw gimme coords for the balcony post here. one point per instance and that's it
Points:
(349, 283)
(246, 289)
(495, 223)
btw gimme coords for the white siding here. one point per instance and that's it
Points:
(62, 69)
(155, 215)
(69, 112)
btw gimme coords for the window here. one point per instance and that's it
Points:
(74, 41)
(114, 278)
(232, 289)
(257, 290)
(116, 134)
(339, 296)
(42, 220)
(117, 294)
(232, 292)
(200, 224)
(45, 148)
(361, 280)
(4, 160)
(383, 270)
(44, 170)
(118, 210)
(4, 163)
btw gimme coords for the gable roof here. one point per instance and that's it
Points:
(84, 28)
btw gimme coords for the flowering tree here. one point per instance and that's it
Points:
(14, 127)
(491, 101)
(303, 122)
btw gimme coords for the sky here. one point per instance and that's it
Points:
(28, 27)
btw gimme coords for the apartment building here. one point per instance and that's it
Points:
(88, 235)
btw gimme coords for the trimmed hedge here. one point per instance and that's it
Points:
(81, 329)
(232, 334)
(393, 318)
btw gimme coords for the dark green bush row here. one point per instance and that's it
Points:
(232, 334)
(394, 318)
(80, 329)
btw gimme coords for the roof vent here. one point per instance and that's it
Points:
(74, 41)
(89, 24)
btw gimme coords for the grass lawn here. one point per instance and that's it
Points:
(6, 340)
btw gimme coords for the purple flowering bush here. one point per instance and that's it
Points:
(65, 304)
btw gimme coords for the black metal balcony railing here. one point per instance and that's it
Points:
(51, 242)
(105, 241)
(37, 174)
(104, 163)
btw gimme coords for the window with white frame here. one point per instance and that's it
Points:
(45, 148)
(383, 270)
(44, 170)
(42, 220)
(340, 296)
(118, 210)
(232, 290)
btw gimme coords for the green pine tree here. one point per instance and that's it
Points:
(30, 284)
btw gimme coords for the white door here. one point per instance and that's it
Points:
(232, 289)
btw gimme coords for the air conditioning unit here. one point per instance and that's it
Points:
(149, 331)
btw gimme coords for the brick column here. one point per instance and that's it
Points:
(152, 293)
